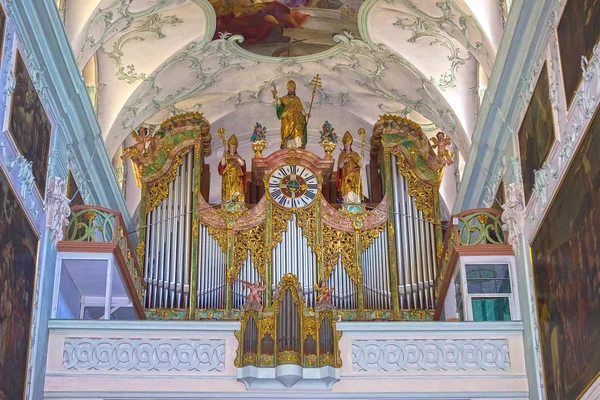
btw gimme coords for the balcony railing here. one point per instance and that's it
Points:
(475, 232)
(99, 229)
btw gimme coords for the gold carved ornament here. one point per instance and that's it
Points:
(252, 240)
(367, 236)
(306, 220)
(279, 224)
(422, 192)
(334, 243)
(159, 190)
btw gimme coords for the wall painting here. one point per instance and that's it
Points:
(29, 124)
(18, 255)
(2, 30)
(287, 28)
(578, 32)
(536, 134)
(566, 264)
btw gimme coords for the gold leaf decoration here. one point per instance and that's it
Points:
(279, 224)
(158, 191)
(422, 192)
(334, 243)
(252, 240)
(306, 220)
(369, 235)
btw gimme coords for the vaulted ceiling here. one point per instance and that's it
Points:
(150, 59)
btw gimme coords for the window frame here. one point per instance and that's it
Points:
(513, 296)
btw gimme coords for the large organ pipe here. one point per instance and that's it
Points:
(433, 248)
(404, 197)
(148, 258)
(180, 236)
(397, 198)
(294, 256)
(158, 264)
(411, 249)
(168, 244)
(171, 285)
(427, 263)
(188, 227)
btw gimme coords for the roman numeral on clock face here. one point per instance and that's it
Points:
(310, 195)
(276, 193)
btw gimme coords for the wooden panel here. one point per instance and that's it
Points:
(566, 261)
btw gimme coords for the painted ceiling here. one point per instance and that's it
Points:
(145, 60)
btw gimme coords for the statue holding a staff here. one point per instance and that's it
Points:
(294, 119)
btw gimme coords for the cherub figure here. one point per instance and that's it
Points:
(324, 296)
(146, 144)
(442, 143)
(253, 300)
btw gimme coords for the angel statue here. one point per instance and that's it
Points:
(442, 143)
(253, 300)
(146, 145)
(324, 296)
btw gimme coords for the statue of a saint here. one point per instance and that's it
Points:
(442, 143)
(233, 170)
(293, 118)
(348, 175)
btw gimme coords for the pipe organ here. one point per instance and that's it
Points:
(292, 264)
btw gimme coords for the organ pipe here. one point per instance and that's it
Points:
(168, 257)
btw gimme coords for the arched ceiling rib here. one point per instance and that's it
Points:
(357, 69)
(155, 59)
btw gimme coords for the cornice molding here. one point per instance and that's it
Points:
(522, 46)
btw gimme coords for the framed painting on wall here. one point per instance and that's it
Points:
(18, 257)
(536, 135)
(578, 32)
(566, 265)
(29, 125)
(2, 29)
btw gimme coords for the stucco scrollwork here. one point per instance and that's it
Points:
(103, 354)
(57, 207)
(430, 355)
(513, 216)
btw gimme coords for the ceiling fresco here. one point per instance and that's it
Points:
(286, 28)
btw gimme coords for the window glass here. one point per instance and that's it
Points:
(488, 278)
(491, 308)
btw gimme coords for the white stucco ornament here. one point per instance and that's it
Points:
(57, 208)
(513, 216)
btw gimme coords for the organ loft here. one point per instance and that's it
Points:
(297, 240)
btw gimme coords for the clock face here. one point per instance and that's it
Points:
(293, 186)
